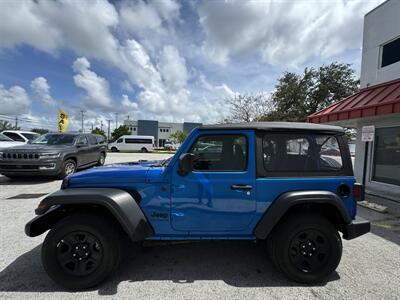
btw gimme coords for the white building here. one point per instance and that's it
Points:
(377, 163)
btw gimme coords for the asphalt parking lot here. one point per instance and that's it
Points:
(370, 266)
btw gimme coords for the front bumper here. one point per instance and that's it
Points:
(49, 167)
(356, 228)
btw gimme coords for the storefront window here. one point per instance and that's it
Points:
(387, 155)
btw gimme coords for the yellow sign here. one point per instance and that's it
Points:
(62, 121)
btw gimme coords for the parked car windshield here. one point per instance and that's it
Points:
(30, 136)
(4, 138)
(55, 139)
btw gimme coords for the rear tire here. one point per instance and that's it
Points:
(306, 247)
(81, 251)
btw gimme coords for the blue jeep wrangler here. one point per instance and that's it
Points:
(290, 185)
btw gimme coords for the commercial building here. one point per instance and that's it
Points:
(160, 130)
(377, 104)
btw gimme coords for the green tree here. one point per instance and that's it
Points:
(178, 136)
(40, 130)
(97, 130)
(298, 96)
(120, 131)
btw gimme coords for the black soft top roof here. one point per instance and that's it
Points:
(275, 126)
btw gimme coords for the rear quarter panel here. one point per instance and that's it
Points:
(269, 189)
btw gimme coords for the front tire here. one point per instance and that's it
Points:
(68, 168)
(114, 149)
(144, 150)
(306, 248)
(102, 159)
(81, 251)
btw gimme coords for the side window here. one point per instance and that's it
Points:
(100, 139)
(14, 136)
(300, 153)
(120, 140)
(92, 139)
(329, 153)
(220, 153)
(82, 140)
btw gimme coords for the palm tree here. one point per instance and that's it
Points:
(6, 125)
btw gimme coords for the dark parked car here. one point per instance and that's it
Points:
(53, 154)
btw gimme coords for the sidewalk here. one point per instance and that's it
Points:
(386, 225)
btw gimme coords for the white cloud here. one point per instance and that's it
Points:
(138, 37)
(285, 33)
(14, 101)
(128, 104)
(83, 26)
(96, 87)
(126, 86)
(173, 68)
(139, 15)
(221, 91)
(42, 90)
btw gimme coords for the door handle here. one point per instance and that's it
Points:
(241, 187)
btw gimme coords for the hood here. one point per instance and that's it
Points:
(8, 144)
(117, 174)
(40, 148)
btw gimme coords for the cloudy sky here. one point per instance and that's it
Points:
(165, 60)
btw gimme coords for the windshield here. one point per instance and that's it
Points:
(55, 139)
(4, 138)
(30, 136)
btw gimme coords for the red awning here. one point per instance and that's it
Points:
(376, 100)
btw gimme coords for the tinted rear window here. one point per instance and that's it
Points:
(301, 153)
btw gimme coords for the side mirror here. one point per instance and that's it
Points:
(185, 164)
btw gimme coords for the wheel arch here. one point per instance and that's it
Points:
(119, 205)
(326, 203)
(72, 157)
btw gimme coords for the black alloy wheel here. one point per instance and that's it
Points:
(79, 253)
(309, 250)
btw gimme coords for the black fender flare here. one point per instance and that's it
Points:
(119, 203)
(284, 202)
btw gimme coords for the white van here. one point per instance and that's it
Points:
(142, 143)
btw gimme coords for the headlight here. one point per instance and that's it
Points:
(50, 155)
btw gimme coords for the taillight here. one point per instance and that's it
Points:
(358, 192)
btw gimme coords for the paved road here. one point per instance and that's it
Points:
(370, 267)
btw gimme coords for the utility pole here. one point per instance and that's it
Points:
(116, 120)
(16, 122)
(92, 126)
(101, 125)
(82, 113)
(108, 135)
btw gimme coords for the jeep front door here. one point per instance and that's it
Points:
(218, 196)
